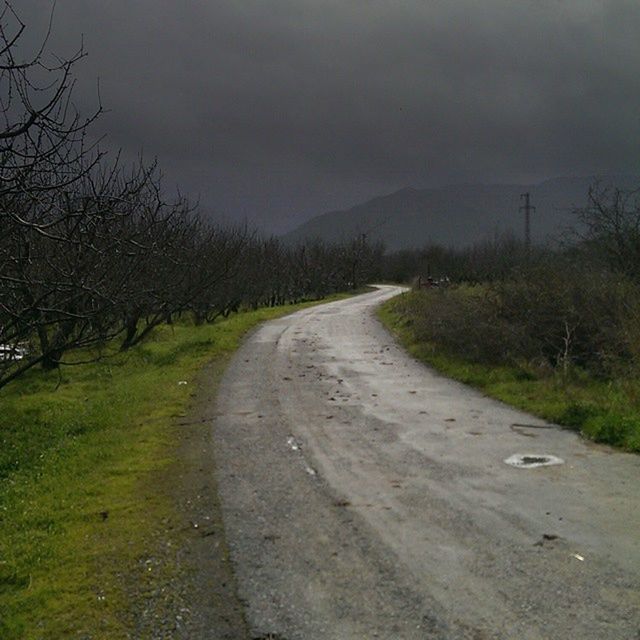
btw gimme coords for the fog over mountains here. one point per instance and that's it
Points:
(458, 215)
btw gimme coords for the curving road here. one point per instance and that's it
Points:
(365, 496)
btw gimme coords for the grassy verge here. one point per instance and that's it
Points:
(81, 456)
(605, 411)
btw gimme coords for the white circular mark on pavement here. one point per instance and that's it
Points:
(532, 460)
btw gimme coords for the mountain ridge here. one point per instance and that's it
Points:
(457, 214)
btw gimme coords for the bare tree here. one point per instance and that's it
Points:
(90, 252)
(610, 228)
(42, 135)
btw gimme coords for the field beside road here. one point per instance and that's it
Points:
(93, 526)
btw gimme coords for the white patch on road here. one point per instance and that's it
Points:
(532, 460)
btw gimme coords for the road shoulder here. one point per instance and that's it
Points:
(214, 610)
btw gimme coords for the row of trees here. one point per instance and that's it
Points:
(604, 238)
(92, 251)
(108, 258)
(482, 262)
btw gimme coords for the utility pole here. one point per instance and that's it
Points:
(527, 208)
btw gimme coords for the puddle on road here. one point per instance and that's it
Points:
(532, 460)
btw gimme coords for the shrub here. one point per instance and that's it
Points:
(465, 322)
(572, 317)
(549, 316)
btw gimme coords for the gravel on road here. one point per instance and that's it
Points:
(365, 496)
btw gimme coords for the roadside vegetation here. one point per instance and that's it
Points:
(90, 535)
(553, 331)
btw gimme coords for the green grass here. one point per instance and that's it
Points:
(606, 411)
(83, 456)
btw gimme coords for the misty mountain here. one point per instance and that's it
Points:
(458, 215)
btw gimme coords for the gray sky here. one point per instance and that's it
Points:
(276, 110)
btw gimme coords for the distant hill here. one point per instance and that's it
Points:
(457, 215)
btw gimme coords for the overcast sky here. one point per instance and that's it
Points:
(275, 110)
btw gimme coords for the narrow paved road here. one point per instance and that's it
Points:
(365, 496)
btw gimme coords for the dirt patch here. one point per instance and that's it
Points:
(215, 612)
(195, 597)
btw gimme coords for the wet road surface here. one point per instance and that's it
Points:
(365, 496)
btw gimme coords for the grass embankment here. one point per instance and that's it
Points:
(84, 460)
(603, 409)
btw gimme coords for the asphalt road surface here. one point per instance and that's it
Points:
(365, 496)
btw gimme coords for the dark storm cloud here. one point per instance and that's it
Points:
(273, 108)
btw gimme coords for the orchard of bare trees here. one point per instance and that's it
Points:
(93, 251)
